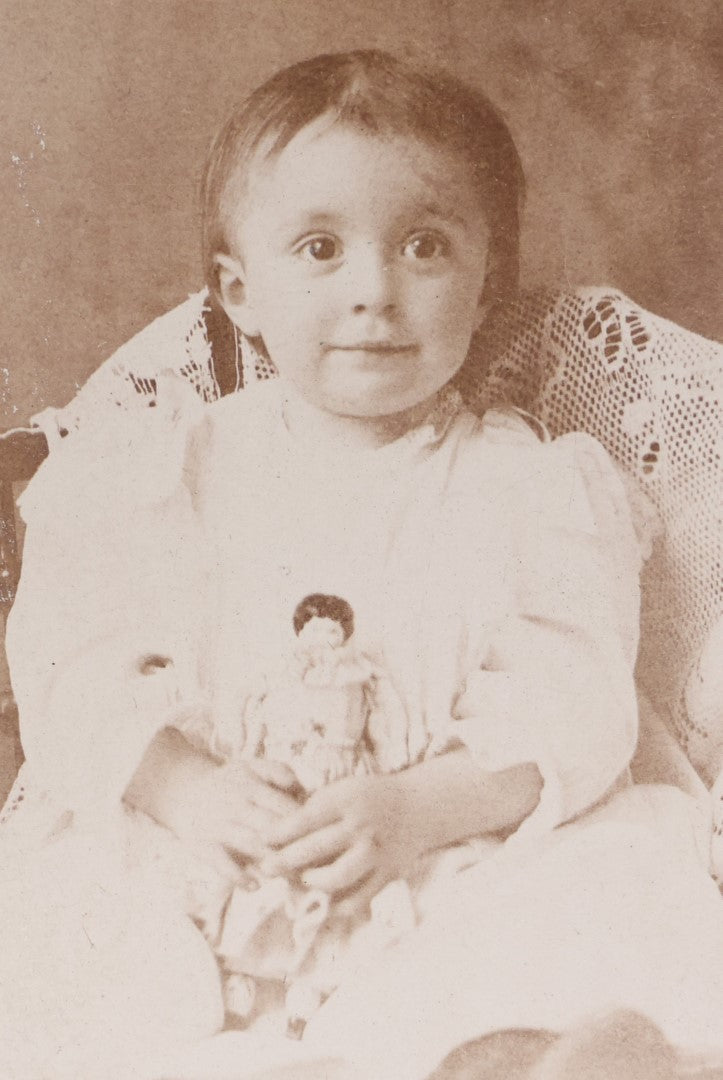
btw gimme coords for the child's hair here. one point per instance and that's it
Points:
(382, 95)
(322, 606)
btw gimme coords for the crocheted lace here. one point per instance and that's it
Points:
(591, 360)
(651, 393)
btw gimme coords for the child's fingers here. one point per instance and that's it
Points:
(242, 841)
(244, 785)
(276, 773)
(352, 867)
(315, 848)
(268, 798)
(358, 902)
(215, 855)
(315, 814)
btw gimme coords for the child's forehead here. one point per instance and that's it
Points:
(330, 160)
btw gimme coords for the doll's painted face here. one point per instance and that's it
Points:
(319, 633)
(360, 262)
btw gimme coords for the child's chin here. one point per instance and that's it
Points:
(376, 406)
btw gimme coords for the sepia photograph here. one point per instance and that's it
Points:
(361, 540)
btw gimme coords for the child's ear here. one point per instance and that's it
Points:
(234, 295)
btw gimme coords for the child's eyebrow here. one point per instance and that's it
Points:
(313, 218)
(309, 219)
(444, 213)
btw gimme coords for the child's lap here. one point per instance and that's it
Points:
(601, 915)
(613, 911)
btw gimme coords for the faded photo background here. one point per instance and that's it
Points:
(108, 107)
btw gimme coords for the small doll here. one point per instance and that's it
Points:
(318, 718)
(315, 720)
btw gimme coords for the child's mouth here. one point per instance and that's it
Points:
(374, 348)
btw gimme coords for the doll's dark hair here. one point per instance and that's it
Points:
(323, 606)
(379, 94)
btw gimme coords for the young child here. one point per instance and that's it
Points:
(361, 222)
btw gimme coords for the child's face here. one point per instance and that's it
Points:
(361, 262)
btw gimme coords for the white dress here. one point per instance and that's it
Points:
(494, 577)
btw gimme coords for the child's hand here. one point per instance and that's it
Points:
(350, 839)
(224, 812)
(354, 836)
(227, 814)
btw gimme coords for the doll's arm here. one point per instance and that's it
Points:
(255, 718)
(387, 723)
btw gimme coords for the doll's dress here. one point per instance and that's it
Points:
(314, 718)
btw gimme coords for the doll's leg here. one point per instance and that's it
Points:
(303, 997)
(310, 979)
(249, 943)
(239, 998)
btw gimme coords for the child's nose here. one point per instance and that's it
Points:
(372, 282)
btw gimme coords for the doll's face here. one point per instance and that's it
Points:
(320, 632)
(360, 260)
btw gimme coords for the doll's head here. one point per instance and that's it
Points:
(323, 621)
(352, 183)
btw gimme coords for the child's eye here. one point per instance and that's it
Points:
(425, 245)
(319, 248)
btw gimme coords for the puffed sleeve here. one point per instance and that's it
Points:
(556, 685)
(101, 639)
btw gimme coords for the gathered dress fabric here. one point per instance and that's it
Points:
(493, 576)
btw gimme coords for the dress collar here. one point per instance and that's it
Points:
(430, 431)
